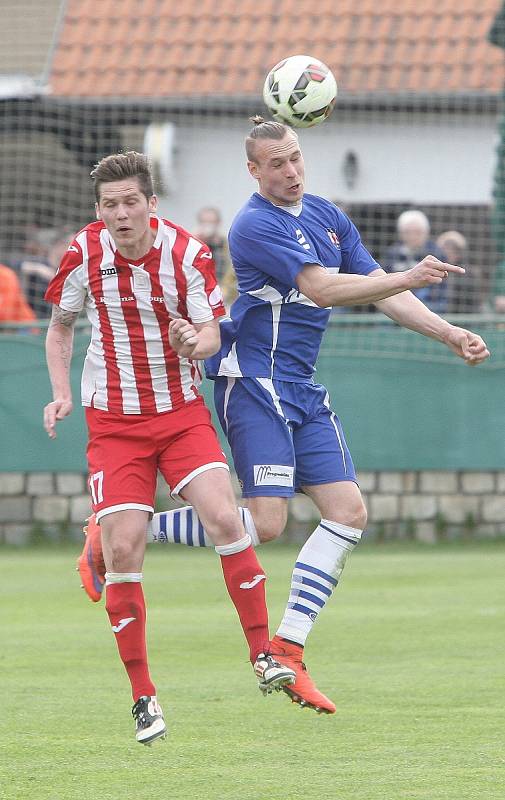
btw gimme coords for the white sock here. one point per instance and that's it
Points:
(317, 571)
(183, 526)
(233, 547)
(122, 577)
(249, 525)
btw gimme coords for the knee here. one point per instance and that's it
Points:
(354, 516)
(123, 547)
(225, 526)
(269, 526)
(119, 556)
(361, 517)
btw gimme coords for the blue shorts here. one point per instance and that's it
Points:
(282, 435)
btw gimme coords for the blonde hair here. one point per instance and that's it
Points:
(454, 238)
(264, 130)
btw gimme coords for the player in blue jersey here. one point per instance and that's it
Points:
(297, 255)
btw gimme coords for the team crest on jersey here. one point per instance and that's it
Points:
(332, 235)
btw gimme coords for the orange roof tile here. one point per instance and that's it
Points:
(161, 48)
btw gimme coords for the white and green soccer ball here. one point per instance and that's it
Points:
(300, 91)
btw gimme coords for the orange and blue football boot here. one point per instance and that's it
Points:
(90, 564)
(303, 691)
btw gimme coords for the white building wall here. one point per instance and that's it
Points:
(422, 159)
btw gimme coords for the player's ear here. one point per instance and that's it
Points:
(97, 211)
(253, 169)
(153, 203)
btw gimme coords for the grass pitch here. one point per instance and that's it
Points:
(411, 648)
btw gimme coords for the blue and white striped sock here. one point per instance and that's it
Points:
(183, 526)
(317, 571)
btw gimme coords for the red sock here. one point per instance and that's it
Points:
(245, 581)
(127, 611)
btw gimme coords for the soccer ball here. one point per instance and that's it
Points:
(300, 91)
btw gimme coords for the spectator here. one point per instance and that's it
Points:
(13, 305)
(464, 296)
(413, 245)
(208, 229)
(35, 245)
(36, 274)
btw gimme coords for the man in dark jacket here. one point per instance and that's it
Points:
(413, 245)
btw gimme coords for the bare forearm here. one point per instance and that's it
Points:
(350, 290)
(59, 343)
(409, 312)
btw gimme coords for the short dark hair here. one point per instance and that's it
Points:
(119, 166)
(264, 130)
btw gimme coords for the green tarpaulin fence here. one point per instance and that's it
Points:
(405, 402)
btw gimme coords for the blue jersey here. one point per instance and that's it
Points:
(274, 330)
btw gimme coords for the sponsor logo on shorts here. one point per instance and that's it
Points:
(273, 475)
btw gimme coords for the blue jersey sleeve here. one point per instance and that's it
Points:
(355, 257)
(265, 242)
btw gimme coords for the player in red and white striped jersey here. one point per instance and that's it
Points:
(130, 367)
(150, 292)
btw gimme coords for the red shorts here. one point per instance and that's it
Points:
(125, 452)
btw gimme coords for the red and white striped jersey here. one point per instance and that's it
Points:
(130, 367)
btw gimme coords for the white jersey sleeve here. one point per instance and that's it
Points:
(68, 288)
(204, 299)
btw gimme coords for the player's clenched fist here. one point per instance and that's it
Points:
(183, 337)
(467, 345)
(430, 271)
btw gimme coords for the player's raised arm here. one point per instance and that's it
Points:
(408, 311)
(326, 289)
(59, 343)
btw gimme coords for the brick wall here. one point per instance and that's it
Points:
(33, 504)
(420, 505)
(427, 506)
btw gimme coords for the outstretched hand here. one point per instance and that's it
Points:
(430, 271)
(467, 345)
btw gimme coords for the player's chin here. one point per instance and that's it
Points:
(291, 199)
